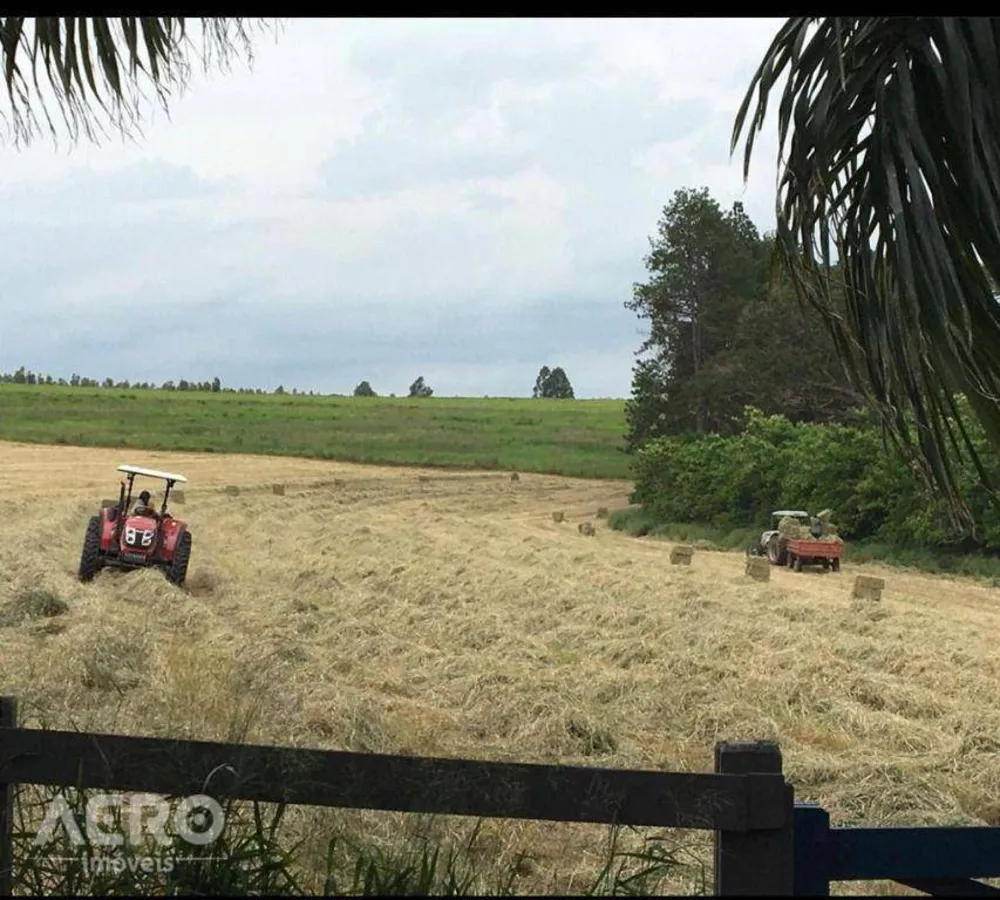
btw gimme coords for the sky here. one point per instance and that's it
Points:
(466, 200)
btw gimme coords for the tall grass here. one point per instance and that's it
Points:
(257, 856)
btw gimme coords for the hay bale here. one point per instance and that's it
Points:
(558, 516)
(108, 504)
(232, 490)
(514, 476)
(790, 528)
(758, 568)
(681, 554)
(177, 497)
(278, 490)
(867, 587)
(587, 528)
(423, 478)
(602, 512)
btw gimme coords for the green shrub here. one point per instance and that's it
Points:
(735, 482)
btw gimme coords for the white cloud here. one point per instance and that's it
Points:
(443, 192)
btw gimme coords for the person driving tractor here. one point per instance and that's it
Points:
(143, 507)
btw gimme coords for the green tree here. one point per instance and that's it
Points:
(887, 166)
(420, 389)
(705, 265)
(100, 70)
(540, 382)
(552, 384)
(364, 389)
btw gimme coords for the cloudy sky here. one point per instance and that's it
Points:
(465, 200)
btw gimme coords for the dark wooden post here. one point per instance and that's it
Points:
(8, 719)
(812, 850)
(754, 863)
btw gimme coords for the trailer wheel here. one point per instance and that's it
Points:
(797, 563)
(836, 564)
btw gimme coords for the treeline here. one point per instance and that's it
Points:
(740, 406)
(215, 386)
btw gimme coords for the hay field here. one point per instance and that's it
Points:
(397, 610)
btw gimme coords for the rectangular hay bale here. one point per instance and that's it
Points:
(681, 555)
(177, 497)
(233, 490)
(758, 568)
(558, 516)
(867, 587)
(278, 490)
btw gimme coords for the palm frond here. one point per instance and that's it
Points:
(889, 179)
(98, 71)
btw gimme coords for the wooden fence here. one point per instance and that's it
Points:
(765, 844)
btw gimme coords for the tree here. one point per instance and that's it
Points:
(97, 68)
(364, 389)
(540, 382)
(887, 162)
(420, 389)
(706, 265)
(552, 384)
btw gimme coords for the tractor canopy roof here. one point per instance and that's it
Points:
(151, 473)
(794, 513)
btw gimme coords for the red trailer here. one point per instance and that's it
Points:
(801, 552)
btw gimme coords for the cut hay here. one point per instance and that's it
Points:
(278, 490)
(867, 587)
(177, 497)
(587, 528)
(558, 516)
(681, 554)
(758, 568)
(232, 490)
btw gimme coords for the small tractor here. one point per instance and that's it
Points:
(784, 549)
(143, 539)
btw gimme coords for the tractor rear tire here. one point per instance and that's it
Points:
(90, 558)
(774, 552)
(177, 570)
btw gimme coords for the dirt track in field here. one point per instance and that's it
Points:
(441, 613)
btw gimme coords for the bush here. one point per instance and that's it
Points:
(735, 482)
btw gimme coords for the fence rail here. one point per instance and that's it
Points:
(765, 843)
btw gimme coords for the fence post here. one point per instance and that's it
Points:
(812, 850)
(754, 863)
(8, 719)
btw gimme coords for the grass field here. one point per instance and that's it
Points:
(373, 609)
(569, 437)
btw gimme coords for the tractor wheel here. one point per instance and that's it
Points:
(774, 553)
(177, 570)
(826, 565)
(836, 564)
(90, 558)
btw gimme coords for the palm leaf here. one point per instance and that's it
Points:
(888, 161)
(97, 70)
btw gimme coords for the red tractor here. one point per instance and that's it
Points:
(115, 538)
